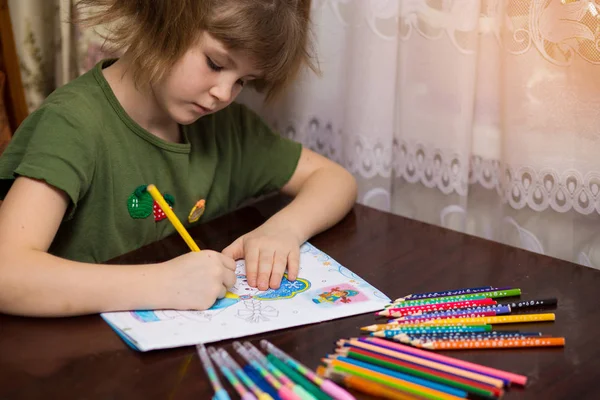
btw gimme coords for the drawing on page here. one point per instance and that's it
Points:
(337, 295)
(255, 311)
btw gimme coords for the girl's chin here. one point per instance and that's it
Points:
(185, 118)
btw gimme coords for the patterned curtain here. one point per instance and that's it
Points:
(51, 51)
(478, 115)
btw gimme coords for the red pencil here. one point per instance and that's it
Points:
(401, 312)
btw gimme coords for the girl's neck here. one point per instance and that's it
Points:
(140, 104)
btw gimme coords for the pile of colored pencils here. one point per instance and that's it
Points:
(273, 375)
(391, 370)
(464, 319)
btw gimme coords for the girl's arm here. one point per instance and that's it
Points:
(35, 283)
(323, 193)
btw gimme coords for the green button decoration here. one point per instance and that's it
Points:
(140, 203)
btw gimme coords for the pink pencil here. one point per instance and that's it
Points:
(425, 317)
(515, 378)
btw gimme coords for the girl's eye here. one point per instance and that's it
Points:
(211, 64)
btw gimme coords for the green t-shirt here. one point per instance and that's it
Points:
(82, 141)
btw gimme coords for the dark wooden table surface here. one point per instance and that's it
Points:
(82, 358)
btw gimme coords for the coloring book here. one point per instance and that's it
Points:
(324, 290)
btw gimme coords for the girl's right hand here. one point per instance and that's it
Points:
(196, 280)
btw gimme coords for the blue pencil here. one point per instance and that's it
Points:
(499, 310)
(262, 384)
(220, 392)
(253, 385)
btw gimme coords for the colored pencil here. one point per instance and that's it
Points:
(230, 376)
(501, 343)
(519, 305)
(397, 383)
(282, 391)
(250, 384)
(465, 312)
(403, 376)
(508, 376)
(423, 372)
(405, 338)
(400, 312)
(445, 293)
(493, 294)
(422, 361)
(427, 317)
(220, 392)
(501, 319)
(365, 386)
(327, 386)
(298, 378)
(261, 382)
(157, 196)
(407, 326)
(391, 330)
(424, 302)
(284, 379)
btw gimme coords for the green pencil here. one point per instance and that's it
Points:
(493, 294)
(298, 379)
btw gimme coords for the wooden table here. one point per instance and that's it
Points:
(82, 358)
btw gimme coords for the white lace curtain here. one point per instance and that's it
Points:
(478, 115)
(481, 116)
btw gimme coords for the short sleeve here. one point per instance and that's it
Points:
(268, 160)
(52, 146)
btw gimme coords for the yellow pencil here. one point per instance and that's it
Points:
(172, 217)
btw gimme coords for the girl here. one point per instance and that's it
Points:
(73, 178)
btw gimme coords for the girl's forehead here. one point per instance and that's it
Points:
(238, 58)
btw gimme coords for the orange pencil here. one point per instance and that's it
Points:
(494, 344)
(364, 385)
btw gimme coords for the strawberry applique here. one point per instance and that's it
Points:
(140, 204)
(159, 214)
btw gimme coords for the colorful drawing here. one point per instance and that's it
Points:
(339, 294)
(240, 292)
(145, 316)
(287, 290)
(227, 301)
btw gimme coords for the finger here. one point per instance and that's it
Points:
(229, 278)
(222, 292)
(265, 266)
(228, 263)
(252, 266)
(293, 264)
(235, 250)
(279, 263)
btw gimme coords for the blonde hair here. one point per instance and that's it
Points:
(156, 33)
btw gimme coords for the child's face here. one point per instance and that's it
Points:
(206, 79)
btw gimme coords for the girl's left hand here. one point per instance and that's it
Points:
(267, 250)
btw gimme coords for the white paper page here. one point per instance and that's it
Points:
(325, 290)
